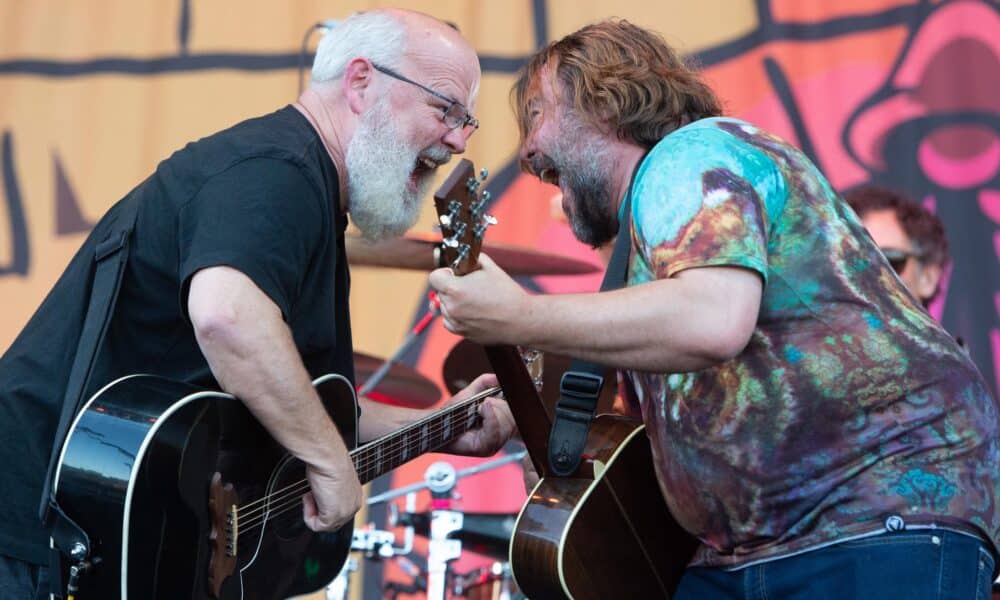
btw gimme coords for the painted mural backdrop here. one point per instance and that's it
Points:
(902, 93)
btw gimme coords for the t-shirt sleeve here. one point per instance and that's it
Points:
(700, 199)
(262, 217)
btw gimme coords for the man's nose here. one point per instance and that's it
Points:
(456, 139)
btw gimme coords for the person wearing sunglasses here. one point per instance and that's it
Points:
(911, 237)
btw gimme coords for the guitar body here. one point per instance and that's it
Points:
(136, 473)
(605, 533)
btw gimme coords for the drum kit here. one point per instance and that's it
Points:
(449, 531)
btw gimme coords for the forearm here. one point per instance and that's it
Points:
(251, 353)
(671, 325)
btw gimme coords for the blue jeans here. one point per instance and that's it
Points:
(908, 565)
(22, 581)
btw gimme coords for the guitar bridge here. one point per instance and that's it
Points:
(224, 534)
(232, 530)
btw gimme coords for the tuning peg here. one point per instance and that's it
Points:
(490, 219)
(463, 253)
(450, 242)
(483, 174)
(453, 208)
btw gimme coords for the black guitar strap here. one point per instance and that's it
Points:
(580, 386)
(110, 257)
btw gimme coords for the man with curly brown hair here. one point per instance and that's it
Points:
(810, 423)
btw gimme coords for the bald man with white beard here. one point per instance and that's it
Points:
(237, 278)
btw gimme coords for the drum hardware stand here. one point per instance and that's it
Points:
(460, 474)
(373, 544)
(440, 479)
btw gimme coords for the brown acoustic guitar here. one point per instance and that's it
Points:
(606, 531)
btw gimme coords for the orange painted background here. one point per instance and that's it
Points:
(903, 93)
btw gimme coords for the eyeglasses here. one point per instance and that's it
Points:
(897, 258)
(455, 115)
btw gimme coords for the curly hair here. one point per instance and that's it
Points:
(923, 227)
(619, 75)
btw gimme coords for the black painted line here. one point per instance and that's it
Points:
(184, 26)
(783, 89)
(20, 250)
(540, 17)
(120, 65)
(780, 32)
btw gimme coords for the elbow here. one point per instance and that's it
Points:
(727, 344)
(214, 324)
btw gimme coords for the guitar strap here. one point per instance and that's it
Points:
(580, 386)
(110, 257)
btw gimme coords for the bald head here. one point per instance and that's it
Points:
(392, 37)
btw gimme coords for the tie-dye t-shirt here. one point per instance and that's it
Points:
(850, 408)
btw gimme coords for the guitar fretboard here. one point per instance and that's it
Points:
(431, 433)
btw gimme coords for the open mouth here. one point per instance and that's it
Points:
(424, 166)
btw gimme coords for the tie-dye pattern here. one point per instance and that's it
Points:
(848, 405)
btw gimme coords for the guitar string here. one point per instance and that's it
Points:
(402, 435)
(389, 455)
(390, 446)
(292, 497)
(277, 508)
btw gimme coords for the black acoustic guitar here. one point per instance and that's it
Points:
(184, 495)
(606, 531)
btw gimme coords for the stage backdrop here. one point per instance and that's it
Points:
(901, 93)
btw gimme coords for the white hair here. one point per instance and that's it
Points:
(374, 35)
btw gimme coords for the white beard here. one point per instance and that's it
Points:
(382, 201)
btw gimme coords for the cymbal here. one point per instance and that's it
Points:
(402, 386)
(467, 360)
(417, 251)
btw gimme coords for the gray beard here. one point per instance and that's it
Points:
(582, 161)
(381, 200)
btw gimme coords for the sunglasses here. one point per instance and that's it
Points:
(454, 115)
(897, 258)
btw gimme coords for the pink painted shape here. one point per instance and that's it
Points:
(930, 204)
(827, 101)
(969, 19)
(558, 238)
(959, 173)
(989, 203)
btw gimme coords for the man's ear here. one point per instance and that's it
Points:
(357, 85)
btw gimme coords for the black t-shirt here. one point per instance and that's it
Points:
(261, 197)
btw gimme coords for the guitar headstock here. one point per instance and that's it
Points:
(461, 208)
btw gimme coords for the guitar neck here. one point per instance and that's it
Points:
(463, 220)
(426, 435)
